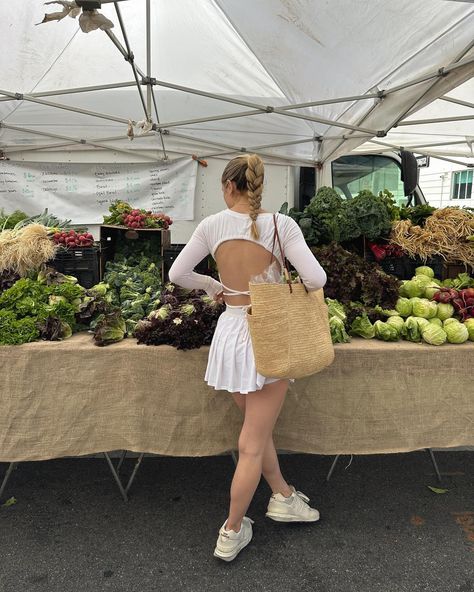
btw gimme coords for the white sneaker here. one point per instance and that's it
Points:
(230, 543)
(291, 509)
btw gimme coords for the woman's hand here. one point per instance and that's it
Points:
(219, 298)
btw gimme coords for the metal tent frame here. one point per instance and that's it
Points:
(149, 105)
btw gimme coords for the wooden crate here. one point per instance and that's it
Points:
(113, 236)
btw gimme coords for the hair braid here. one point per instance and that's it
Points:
(254, 175)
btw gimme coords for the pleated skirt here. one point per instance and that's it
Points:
(231, 363)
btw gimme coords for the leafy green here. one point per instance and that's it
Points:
(351, 278)
(109, 328)
(15, 331)
(362, 327)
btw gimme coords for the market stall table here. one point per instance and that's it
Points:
(73, 398)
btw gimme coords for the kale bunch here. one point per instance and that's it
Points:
(351, 278)
(371, 214)
(328, 217)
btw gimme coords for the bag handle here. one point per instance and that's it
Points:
(276, 237)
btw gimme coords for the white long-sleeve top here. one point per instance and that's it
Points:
(229, 225)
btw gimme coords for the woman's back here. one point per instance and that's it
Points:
(226, 235)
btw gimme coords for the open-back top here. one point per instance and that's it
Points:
(228, 225)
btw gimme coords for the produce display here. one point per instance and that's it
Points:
(448, 232)
(37, 302)
(73, 238)
(184, 319)
(328, 217)
(351, 278)
(425, 311)
(49, 306)
(123, 214)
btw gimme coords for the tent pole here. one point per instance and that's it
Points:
(441, 73)
(438, 144)
(21, 97)
(228, 149)
(262, 108)
(424, 153)
(457, 101)
(436, 120)
(131, 59)
(51, 93)
(148, 60)
(76, 141)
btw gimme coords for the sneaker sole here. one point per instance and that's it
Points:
(283, 518)
(230, 557)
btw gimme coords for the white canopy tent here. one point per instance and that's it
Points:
(300, 82)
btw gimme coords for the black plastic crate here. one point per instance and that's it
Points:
(396, 266)
(80, 262)
(172, 251)
(436, 263)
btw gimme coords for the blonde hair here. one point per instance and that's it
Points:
(247, 172)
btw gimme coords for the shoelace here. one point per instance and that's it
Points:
(302, 496)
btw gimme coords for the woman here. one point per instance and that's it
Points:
(240, 238)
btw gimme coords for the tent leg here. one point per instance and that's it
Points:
(9, 471)
(333, 466)
(116, 477)
(435, 464)
(134, 472)
(120, 462)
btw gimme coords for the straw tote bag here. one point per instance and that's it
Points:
(289, 327)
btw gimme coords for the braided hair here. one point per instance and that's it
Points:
(247, 172)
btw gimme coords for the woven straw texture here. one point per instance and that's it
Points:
(289, 330)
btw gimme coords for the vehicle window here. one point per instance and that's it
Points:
(351, 174)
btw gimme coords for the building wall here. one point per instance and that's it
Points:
(436, 182)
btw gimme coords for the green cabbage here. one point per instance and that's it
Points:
(456, 332)
(404, 307)
(411, 330)
(431, 290)
(363, 327)
(424, 270)
(422, 280)
(433, 334)
(449, 321)
(445, 310)
(335, 309)
(422, 322)
(385, 331)
(338, 331)
(422, 307)
(396, 322)
(436, 321)
(414, 288)
(469, 324)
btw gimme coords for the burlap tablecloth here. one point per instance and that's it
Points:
(73, 398)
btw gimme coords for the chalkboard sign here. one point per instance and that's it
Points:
(83, 192)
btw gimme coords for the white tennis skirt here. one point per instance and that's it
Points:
(231, 363)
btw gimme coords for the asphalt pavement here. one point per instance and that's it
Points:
(381, 530)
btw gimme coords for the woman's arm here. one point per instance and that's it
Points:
(181, 272)
(300, 256)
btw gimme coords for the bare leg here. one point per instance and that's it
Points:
(261, 412)
(270, 465)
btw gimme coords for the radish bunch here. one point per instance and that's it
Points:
(146, 219)
(73, 239)
(135, 219)
(462, 300)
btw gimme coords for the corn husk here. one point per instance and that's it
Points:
(26, 249)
